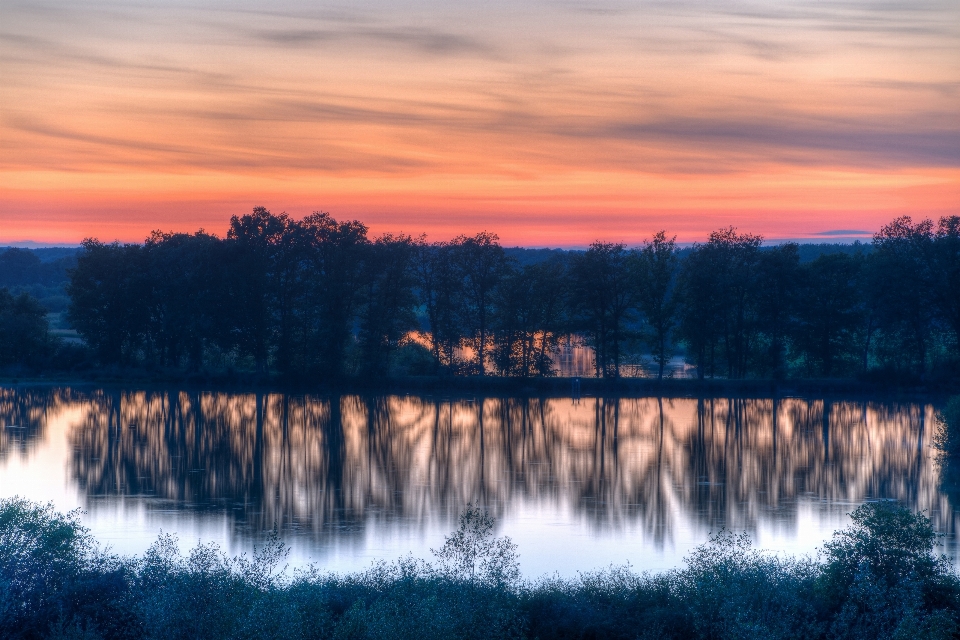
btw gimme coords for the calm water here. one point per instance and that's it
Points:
(577, 484)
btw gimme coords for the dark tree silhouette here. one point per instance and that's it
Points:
(736, 256)
(440, 294)
(901, 278)
(701, 308)
(604, 298)
(387, 311)
(254, 240)
(183, 296)
(336, 252)
(108, 300)
(830, 312)
(482, 264)
(657, 270)
(776, 299)
(24, 333)
(514, 324)
(529, 318)
(945, 275)
(550, 299)
(316, 297)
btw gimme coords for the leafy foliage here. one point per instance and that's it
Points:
(471, 552)
(947, 437)
(877, 579)
(24, 331)
(881, 579)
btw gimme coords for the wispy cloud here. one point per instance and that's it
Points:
(422, 40)
(374, 95)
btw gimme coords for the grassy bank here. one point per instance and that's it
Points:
(879, 578)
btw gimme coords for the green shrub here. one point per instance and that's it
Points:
(882, 579)
(729, 590)
(471, 553)
(52, 575)
(879, 578)
(947, 437)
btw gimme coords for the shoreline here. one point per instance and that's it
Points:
(468, 386)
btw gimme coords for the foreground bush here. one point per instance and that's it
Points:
(947, 436)
(879, 578)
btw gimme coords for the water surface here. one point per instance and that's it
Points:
(578, 484)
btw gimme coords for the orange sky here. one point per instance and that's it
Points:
(551, 123)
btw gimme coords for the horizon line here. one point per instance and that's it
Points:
(823, 238)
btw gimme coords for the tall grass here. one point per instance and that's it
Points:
(878, 578)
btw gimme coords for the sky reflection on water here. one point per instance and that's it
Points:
(577, 484)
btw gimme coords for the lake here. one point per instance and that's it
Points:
(578, 484)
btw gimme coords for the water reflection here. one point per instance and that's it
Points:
(23, 417)
(335, 467)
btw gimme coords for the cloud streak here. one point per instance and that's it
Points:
(428, 41)
(598, 103)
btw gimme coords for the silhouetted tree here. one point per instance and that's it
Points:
(481, 262)
(830, 312)
(776, 292)
(109, 296)
(387, 311)
(529, 318)
(513, 324)
(183, 295)
(253, 242)
(700, 308)
(657, 270)
(718, 285)
(440, 294)
(551, 292)
(290, 278)
(901, 290)
(24, 332)
(868, 307)
(603, 298)
(736, 258)
(336, 253)
(945, 276)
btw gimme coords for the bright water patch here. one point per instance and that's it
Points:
(576, 484)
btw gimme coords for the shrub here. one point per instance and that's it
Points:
(878, 578)
(947, 437)
(472, 553)
(51, 572)
(729, 590)
(882, 579)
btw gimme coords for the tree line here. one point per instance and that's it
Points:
(41, 273)
(320, 297)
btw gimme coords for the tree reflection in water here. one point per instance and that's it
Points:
(333, 466)
(24, 414)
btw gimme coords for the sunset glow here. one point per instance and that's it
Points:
(551, 123)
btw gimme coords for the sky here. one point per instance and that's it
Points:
(551, 123)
